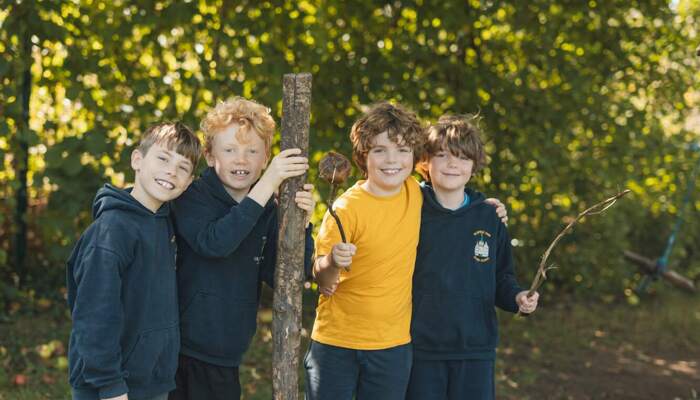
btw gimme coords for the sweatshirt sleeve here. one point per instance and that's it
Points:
(267, 269)
(98, 320)
(211, 236)
(506, 285)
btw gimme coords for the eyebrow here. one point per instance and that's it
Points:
(171, 153)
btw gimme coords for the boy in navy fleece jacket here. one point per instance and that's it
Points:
(121, 281)
(227, 227)
(464, 268)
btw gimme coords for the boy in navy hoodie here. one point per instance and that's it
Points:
(464, 268)
(121, 280)
(227, 227)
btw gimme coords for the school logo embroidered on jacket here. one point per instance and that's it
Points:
(481, 250)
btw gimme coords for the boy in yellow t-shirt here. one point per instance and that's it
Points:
(361, 340)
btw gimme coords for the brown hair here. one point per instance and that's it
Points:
(174, 136)
(249, 114)
(396, 120)
(458, 134)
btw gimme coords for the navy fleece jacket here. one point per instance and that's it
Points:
(464, 268)
(226, 249)
(122, 295)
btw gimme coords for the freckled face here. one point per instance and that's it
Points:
(238, 157)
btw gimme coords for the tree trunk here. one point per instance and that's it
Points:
(289, 275)
(21, 167)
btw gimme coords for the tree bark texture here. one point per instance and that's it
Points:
(289, 275)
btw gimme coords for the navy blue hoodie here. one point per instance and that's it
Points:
(122, 295)
(226, 250)
(464, 268)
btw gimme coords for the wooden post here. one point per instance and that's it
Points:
(289, 275)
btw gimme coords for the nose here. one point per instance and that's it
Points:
(171, 168)
(391, 155)
(451, 160)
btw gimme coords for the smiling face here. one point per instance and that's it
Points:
(388, 165)
(238, 157)
(161, 175)
(448, 172)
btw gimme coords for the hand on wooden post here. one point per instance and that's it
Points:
(305, 200)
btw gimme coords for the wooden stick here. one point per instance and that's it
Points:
(598, 208)
(289, 274)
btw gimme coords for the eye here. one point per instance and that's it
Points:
(184, 169)
(162, 158)
(377, 150)
(253, 151)
(228, 150)
(405, 149)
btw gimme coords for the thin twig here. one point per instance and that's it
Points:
(598, 208)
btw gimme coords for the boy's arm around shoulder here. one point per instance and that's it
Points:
(211, 235)
(507, 286)
(97, 314)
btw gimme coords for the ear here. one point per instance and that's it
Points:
(422, 165)
(136, 160)
(209, 157)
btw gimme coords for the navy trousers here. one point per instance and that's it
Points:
(336, 373)
(452, 380)
(198, 380)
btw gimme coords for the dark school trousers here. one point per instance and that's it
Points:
(337, 373)
(198, 380)
(451, 380)
(159, 397)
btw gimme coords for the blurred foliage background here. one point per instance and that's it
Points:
(580, 99)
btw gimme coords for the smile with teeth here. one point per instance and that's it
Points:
(240, 172)
(165, 184)
(391, 171)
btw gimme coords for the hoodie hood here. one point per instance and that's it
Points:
(111, 198)
(215, 187)
(475, 198)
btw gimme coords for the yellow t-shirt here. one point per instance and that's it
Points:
(371, 308)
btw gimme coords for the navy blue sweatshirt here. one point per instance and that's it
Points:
(464, 268)
(122, 295)
(226, 249)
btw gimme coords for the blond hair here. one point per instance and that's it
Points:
(248, 114)
(400, 124)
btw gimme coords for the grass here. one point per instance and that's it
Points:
(568, 350)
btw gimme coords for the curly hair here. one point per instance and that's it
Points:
(458, 134)
(401, 125)
(174, 136)
(249, 114)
